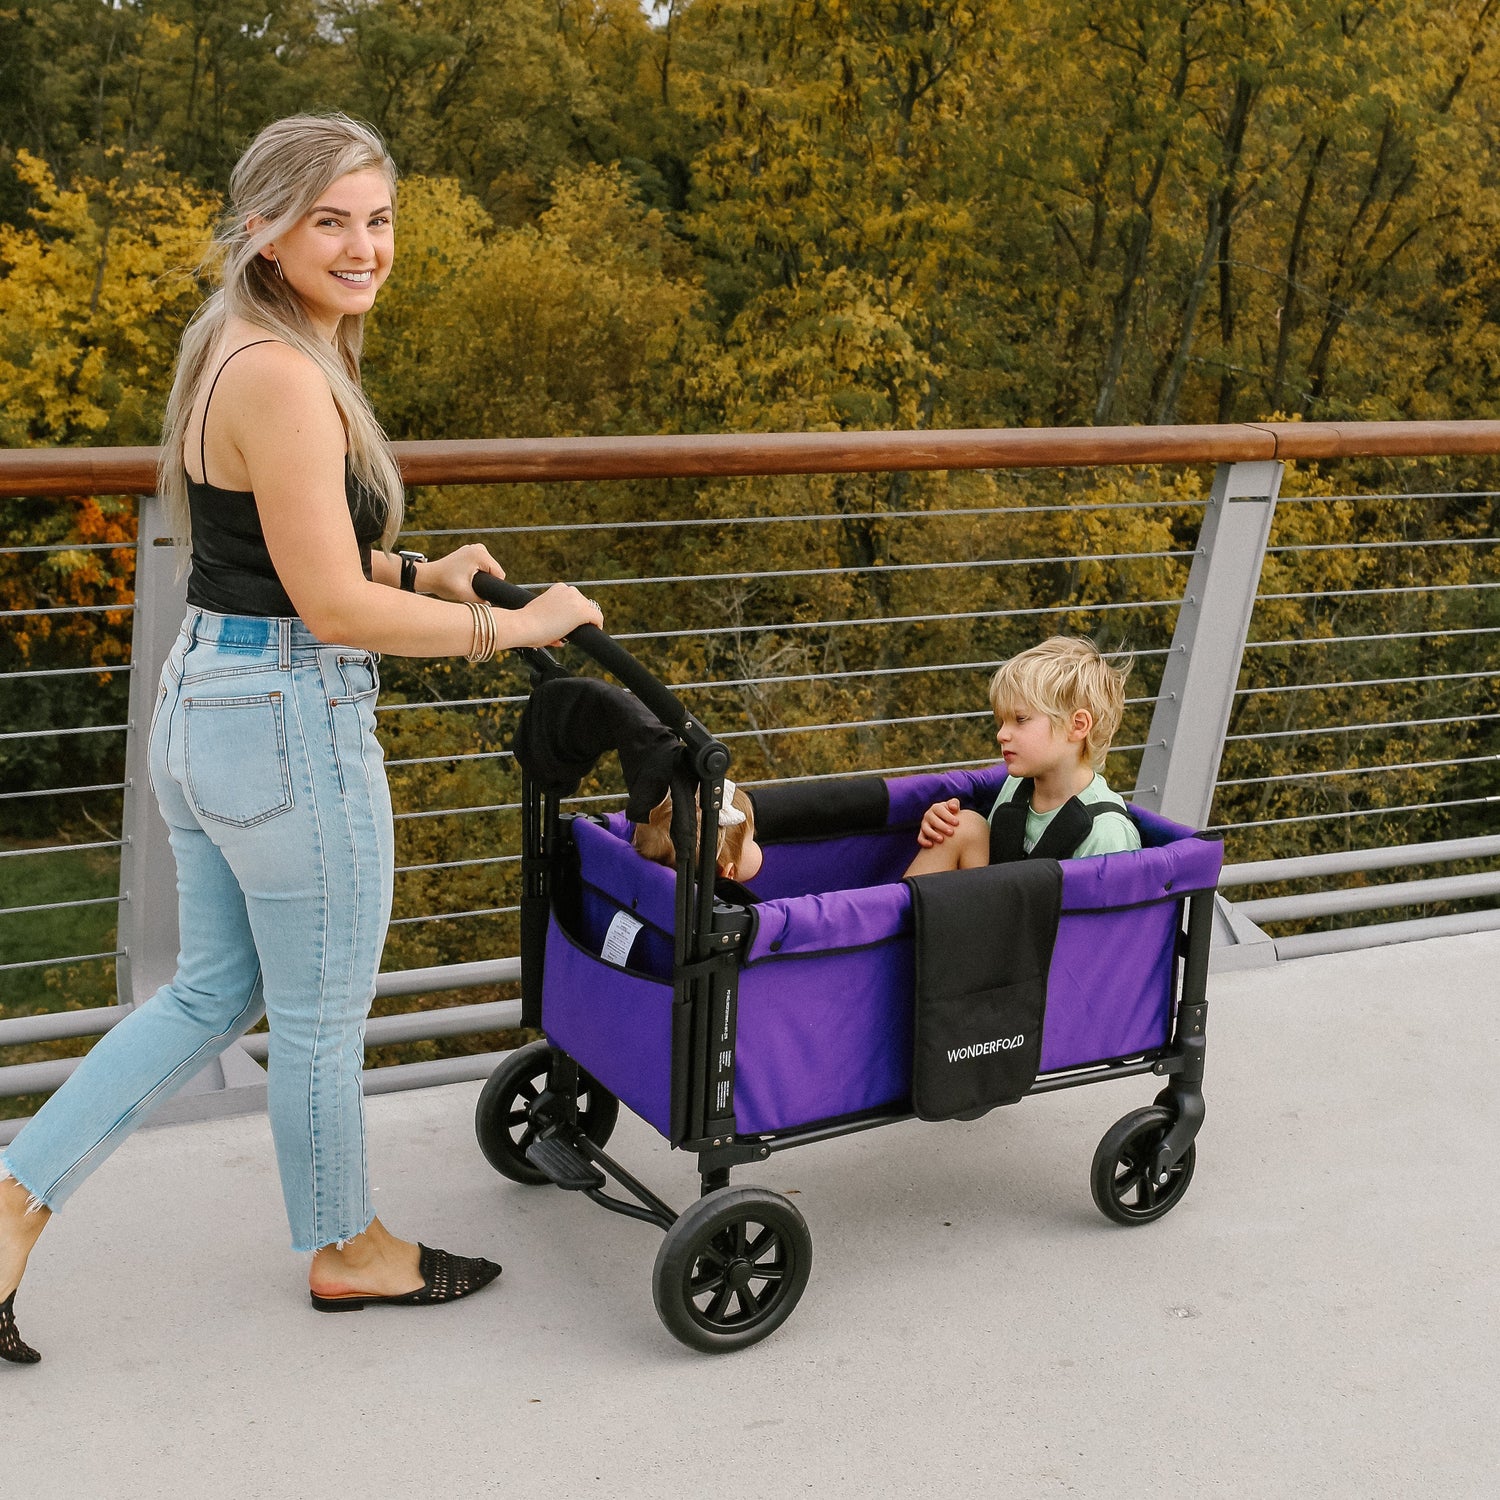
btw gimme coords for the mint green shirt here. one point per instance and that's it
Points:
(1108, 835)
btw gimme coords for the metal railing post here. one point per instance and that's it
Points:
(148, 873)
(1180, 764)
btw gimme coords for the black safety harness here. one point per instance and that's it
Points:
(1068, 829)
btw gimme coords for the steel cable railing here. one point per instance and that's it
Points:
(841, 654)
(841, 517)
(815, 725)
(1385, 734)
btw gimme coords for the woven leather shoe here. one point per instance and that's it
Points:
(445, 1278)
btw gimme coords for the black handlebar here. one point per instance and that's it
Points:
(610, 655)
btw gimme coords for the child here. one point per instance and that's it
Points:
(1057, 707)
(739, 856)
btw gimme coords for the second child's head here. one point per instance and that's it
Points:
(738, 856)
(1075, 688)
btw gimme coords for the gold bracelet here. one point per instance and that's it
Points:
(485, 634)
(472, 655)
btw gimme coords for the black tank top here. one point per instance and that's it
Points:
(232, 572)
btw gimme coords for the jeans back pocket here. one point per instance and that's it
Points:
(235, 750)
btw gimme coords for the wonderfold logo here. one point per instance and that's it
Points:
(985, 1049)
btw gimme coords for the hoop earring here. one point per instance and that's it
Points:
(280, 275)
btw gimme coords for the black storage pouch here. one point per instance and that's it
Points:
(983, 943)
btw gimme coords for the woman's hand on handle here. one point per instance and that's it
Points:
(547, 619)
(451, 577)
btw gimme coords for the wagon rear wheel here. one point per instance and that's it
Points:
(503, 1117)
(1123, 1179)
(731, 1269)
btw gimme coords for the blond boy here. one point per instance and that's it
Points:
(1057, 707)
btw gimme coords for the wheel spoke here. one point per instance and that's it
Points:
(521, 1116)
(1127, 1181)
(758, 1246)
(704, 1283)
(720, 1304)
(528, 1090)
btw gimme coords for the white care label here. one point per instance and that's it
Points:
(617, 941)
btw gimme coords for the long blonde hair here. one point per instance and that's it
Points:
(279, 179)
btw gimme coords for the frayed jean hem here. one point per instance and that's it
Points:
(337, 1244)
(35, 1203)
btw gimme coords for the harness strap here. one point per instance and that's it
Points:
(1072, 824)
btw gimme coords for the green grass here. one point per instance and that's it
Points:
(41, 880)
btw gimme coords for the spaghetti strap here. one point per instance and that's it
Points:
(203, 425)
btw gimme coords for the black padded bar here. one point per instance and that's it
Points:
(788, 812)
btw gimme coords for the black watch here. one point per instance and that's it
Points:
(409, 561)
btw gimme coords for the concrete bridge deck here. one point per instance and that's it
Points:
(1319, 1317)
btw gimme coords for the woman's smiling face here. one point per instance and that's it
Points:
(338, 256)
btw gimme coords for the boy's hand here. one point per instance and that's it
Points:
(939, 823)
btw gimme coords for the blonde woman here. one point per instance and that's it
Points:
(263, 753)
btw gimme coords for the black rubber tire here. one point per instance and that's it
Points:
(1121, 1180)
(731, 1269)
(502, 1118)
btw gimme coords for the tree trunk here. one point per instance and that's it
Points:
(1286, 321)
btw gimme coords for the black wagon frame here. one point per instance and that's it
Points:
(733, 1265)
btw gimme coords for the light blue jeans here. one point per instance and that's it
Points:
(266, 767)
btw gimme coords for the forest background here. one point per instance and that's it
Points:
(800, 215)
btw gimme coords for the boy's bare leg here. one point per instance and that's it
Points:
(968, 849)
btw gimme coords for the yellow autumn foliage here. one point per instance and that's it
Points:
(94, 293)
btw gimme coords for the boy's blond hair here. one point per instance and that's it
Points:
(1059, 677)
(653, 838)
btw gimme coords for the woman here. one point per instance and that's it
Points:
(263, 753)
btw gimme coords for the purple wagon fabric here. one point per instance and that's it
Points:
(823, 1035)
(825, 995)
(616, 1025)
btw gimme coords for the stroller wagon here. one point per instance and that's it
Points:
(739, 1024)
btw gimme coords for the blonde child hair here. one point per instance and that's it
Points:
(1060, 676)
(653, 838)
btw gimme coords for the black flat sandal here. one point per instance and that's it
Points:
(12, 1346)
(445, 1278)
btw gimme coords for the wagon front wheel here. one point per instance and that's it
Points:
(503, 1119)
(731, 1269)
(1123, 1179)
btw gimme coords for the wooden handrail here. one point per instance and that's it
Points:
(132, 471)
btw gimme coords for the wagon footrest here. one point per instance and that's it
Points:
(564, 1165)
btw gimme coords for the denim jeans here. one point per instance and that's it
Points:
(266, 767)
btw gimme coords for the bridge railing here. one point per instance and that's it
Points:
(1314, 672)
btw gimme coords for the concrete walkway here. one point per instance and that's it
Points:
(1319, 1317)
